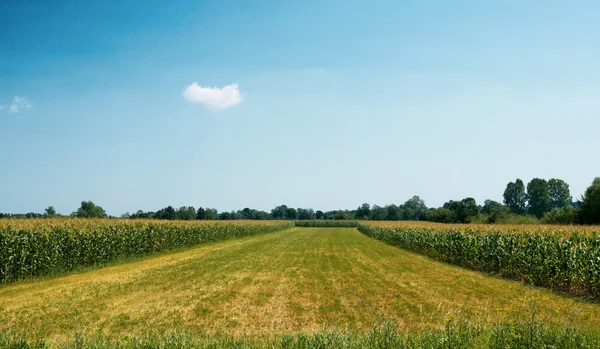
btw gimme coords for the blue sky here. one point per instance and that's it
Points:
(337, 102)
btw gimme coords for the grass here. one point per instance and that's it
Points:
(296, 280)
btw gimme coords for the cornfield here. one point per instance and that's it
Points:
(31, 248)
(564, 258)
(322, 223)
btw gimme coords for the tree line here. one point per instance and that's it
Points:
(540, 201)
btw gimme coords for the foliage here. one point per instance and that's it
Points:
(538, 197)
(560, 215)
(588, 211)
(441, 215)
(515, 197)
(560, 195)
(54, 246)
(544, 257)
(50, 211)
(89, 210)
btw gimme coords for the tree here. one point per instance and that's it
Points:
(90, 210)
(186, 213)
(291, 213)
(515, 197)
(495, 211)
(560, 215)
(560, 195)
(50, 211)
(339, 216)
(538, 196)
(306, 214)
(588, 210)
(393, 213)
(319, 214)
(467, 210)
(414, 209)
(279, 212)
(167, 213)
(489, 206)
(378, 213)
(441, 215)
(362, 212)
(211, 214)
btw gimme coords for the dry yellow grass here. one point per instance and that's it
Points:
(295, 280)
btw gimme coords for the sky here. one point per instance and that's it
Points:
(316, 104)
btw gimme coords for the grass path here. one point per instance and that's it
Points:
(295, 280)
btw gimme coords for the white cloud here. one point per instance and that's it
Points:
(18, 104)
(213, 98)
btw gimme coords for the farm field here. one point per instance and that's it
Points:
(294, 280)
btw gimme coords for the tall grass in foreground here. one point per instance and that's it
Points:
(44, 247)
(570, 262)
(385, 335)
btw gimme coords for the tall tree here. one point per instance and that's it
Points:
(363, 211)
(279, 212)
(560, 195)
(538, 196)
(469, 210)
(306, 214)
(50, 211)
(414, 209)
(588, 211)
(90, 210)
(378, 213)
(515, 197)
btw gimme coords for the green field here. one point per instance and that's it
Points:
(299, 279)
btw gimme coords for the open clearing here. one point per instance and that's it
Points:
(299, 279)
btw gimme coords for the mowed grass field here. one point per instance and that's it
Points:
(299, 279)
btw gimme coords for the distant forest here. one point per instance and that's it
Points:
(540, 201)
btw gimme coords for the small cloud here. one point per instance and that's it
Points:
(213, 98)
(18, 104)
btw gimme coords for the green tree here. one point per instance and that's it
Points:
(291, 213)
(495, 211)
(186, 213)
(414, 209)
(538, 196)
(467, 210)
(50, 211)
(339, 216)
(279, 212)
(560, 215)
(588, 211)
(441, 215)
(515, 197)
(393, 213)
(377, 213)
(201, 213)
(560, 195)
(211, 214)
(306, 214)
(90, 210)
(363, 211)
